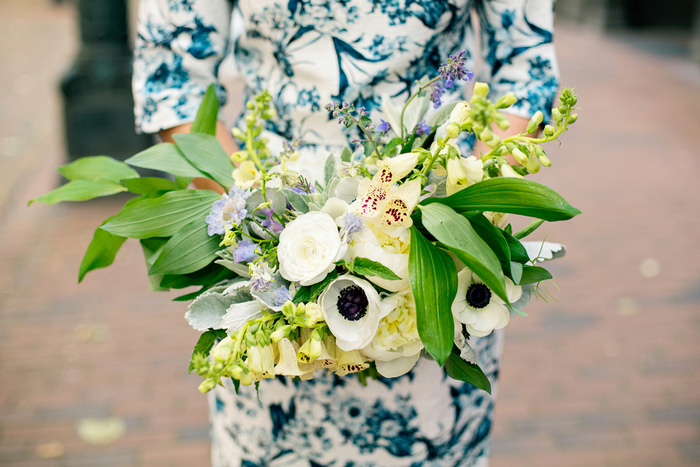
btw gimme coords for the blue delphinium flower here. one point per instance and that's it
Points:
(260, 277)
(281, 296)
(351, 223)
(422, 129)
(436, 95)
(228, 211)
(269, 222)
(244, 251)
(454, 69)
(383, 127)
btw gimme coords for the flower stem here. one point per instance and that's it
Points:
(413, 96)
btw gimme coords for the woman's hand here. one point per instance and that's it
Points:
(225, 139)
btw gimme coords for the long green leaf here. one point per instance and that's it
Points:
(189, 250)
(162, 216)
(512, 195)
(491, 235)
(152, 248)
(206, 343)
(101, 252)
(80, 190)
(456, 233)
(207, 114)
(518, 252)
(464, 371)
(206, 154)
(165, 157)
(97, 168)
(150, 185)
(533, 274)
(433, 279)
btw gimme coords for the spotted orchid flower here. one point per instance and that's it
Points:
(382, 200)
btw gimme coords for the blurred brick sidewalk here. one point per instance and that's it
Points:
(607, 375)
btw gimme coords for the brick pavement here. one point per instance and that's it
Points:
(607, 375)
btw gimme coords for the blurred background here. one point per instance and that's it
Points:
(608, 374)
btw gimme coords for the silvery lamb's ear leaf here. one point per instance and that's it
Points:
(277, 200)
(441, 115)
(207, 310)
(329, 169)
(543, 251)
(346, 155)
(255, 200)
(240, 313)
(391, 113)
(297, 201)
(239, 268)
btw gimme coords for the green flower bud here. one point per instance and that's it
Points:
(549, 130)
(486, 135)
(562, 108)
(572, 118)
(544, 160)
(288, 309)
(532, 165)
(519, 156)
(452, 130)
(534, 122)
(268, 114)
(250, 105)
(502, 121)
(556, 115)
(238, 134)
(280, 333)
(246, 379)
(494, 141)
(207, 385)
(481, 89)
(506, 101)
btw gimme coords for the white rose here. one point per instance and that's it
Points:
(309, 247)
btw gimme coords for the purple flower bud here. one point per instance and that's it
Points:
(383, 127)
(422, 129)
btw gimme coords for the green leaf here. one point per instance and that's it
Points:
(346, 155)
(391, 145)
(441, 115)
(533, 274)
(207, 276)
(464, 371)
(165, 157)
(189, 250)
(532, 226)
(207, 114)
(309, 293)
(516, 272)
(297, 200)
(101, 252)
(329, 169)
(512, 195)
(457, 234)
(206, 343)
(518, 253)
(97, 168)
(150, 185)
(189, 296)
(369, 148)
(433, 279)
(492, 236)
(152, 248)
(163, 216)
(206, 154)
(80, 190)
(367, 267)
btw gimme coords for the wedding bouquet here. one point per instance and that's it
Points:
(402, 249)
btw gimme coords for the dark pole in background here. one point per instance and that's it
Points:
(98, 105)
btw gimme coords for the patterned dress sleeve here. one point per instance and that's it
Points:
(518, 52)
(178, 49)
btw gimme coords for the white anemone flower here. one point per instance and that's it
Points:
(351, 308)
(478, 308)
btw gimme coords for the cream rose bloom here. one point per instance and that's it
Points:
(309, 247)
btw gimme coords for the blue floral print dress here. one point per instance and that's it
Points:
(308, 53)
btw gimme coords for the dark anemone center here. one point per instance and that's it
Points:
(478, 295)
(352, 303)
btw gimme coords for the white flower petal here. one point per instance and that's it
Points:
(397, 367)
